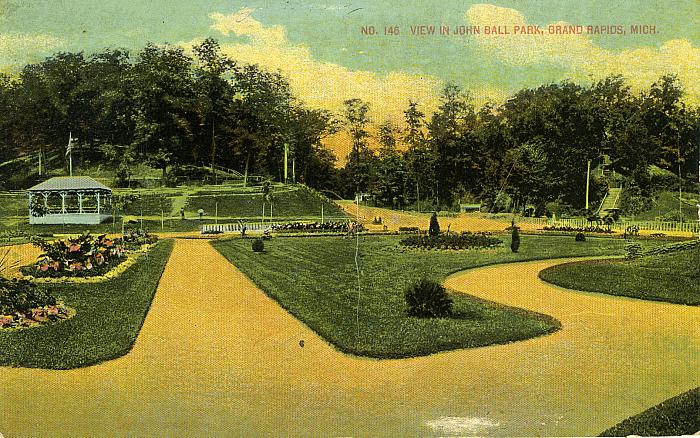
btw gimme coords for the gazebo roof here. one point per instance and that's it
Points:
(60, 183)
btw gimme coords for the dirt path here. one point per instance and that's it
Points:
(19, 255)
(216, 357)
(393, 219)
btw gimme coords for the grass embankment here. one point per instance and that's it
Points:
(231, 203)
(108, 319)
(293, 202)
(315, 279)
(666, 204)
(679, 415)
(672, 277)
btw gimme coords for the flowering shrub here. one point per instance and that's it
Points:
(85, 256)
(134, 239)
(465, 240)
(23, 304)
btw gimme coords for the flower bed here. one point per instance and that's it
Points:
(591, 229)
(86, 256)
(464, 240)
(23, 304)
(312, 227)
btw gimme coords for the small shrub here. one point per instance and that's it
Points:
(515, 239)
(258, 245)
(428, 299)
(580, 237)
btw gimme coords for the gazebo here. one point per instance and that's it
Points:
(69, 200)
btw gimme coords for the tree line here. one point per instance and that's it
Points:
(531, 151)
(167, 108)
(172, 108)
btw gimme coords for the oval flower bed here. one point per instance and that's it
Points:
(464, 240)
(86, 257)
(23, 304)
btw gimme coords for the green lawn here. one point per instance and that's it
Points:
(315, 280)
(679, 415)
(108, 320)
(673, 277)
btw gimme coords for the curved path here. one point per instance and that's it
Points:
(217, 357)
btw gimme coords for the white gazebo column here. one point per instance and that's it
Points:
(63, 202)
(98, 203)
(80, 202)
(46, 201)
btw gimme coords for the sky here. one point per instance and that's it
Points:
(321, 48)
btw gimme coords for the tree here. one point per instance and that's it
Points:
(361, 160)
(420, 160)
(212, 77)
(457, 159)
(390, 174)
(166, 113)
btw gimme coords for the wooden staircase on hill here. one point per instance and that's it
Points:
(611, 200)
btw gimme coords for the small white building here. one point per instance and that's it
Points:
(69, 200)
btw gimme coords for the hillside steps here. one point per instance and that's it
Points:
(611, 201)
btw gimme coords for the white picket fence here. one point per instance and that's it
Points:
(687, 227)
(255, 227)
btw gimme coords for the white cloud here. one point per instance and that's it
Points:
(583, 59)
(15, 48)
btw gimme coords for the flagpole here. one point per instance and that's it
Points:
(69, 152)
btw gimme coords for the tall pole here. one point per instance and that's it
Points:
(69, 152)
(286, 153)
(588, 183)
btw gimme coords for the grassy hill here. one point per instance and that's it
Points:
(665, 207)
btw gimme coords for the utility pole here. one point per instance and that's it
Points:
(213, 153)
(588, 183)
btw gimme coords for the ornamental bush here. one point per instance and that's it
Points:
(434, 229)
(515, 239)
(258, 245)
(428, 299)
(580, 237)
